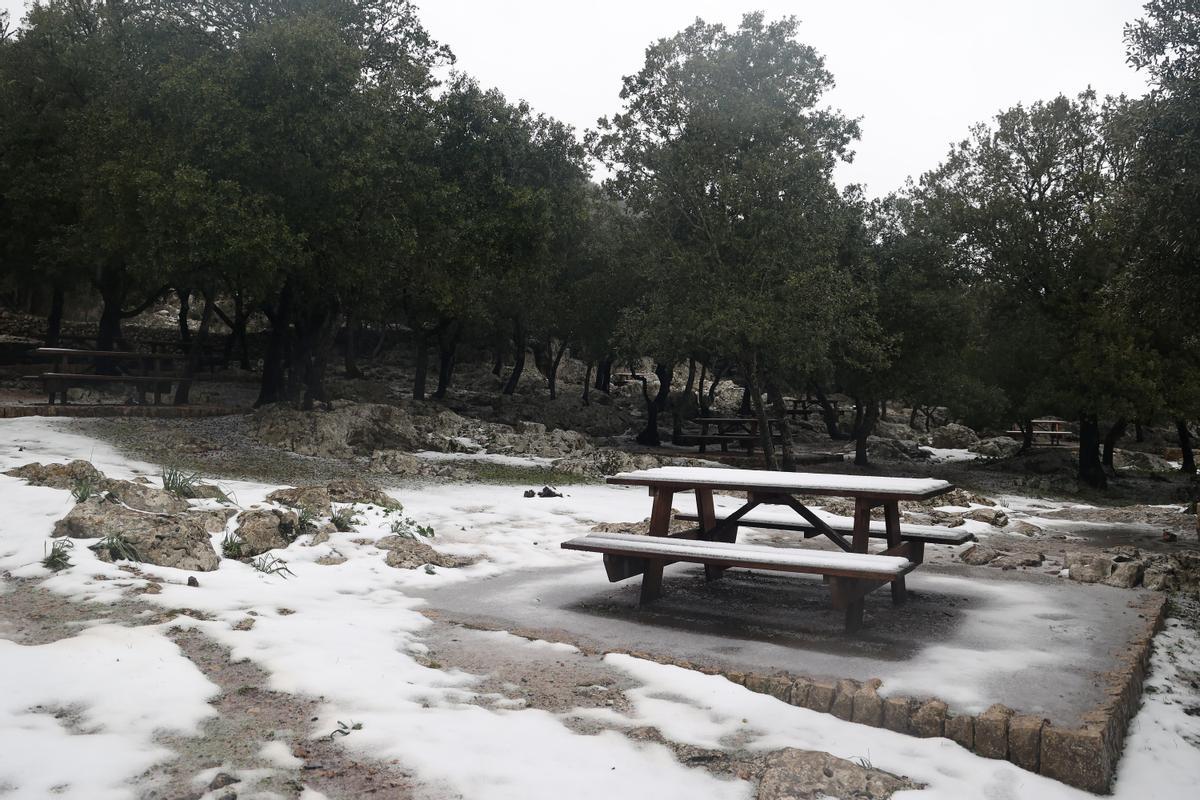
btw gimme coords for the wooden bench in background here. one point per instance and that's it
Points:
(143, 371)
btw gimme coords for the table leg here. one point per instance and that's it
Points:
(660, 524)
(862, 524)
(891, 516)
(708, 521)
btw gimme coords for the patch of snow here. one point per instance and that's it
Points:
(791, 481)
(280, 755)
(486, 458)
(948, 454)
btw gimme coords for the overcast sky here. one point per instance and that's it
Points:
(918, 72)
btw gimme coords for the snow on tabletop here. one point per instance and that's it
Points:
(782, 556)
(791, 481)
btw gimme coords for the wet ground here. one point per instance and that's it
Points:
(969, 636)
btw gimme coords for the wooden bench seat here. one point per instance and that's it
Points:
(851, 575)
(928, 534)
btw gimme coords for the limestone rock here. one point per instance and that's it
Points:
(820, 696)
(396, 462)
(1025, 741)
(930, 719)
(1077, 757)
(604, 461)
(168, 540)
(347, 430)
(357, 490)
(996, 447)
(213, 520)
(406, 553)
(896, 430)
(992, 516)
(261, 530)
(1177, 572)
(843, 701)
(792, 774)
(145, 497)
(1143, 462)
(314, 499)
(953, 436)
(961, 729)
(1025, 528)
(1126, 575)
(1089, 567)
(868, 707)
(978, 555)
(897, 713)
(57, 476)
(991, 732)
(894, 449)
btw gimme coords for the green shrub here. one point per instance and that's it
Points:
(59, 556)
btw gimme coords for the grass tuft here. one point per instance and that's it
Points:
(270, 565)
(408, 528)
(59, 556)
(344, 520)
(231, 546)
(117, 547)
(83, 489)
(180, 483)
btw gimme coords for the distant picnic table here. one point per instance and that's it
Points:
(1052, 431)
(852, 570)
(736, 430)
(77, 368)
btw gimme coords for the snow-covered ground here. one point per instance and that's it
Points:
(351, 633)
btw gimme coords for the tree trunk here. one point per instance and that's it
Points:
(195, 350)
(54, 320)
(272, 387)
(883, 409)
(587, 385)
(185, 301)
(787, 458)
(1026, 435)
(519, 344)
(448, 338)
(1110, 441)
(1185, 445)
(912, 418)
(498, 362)
(318, 346)
(832, 424)
(649, 436)
(746, 407)
(700, 391)
(764, 424)
(110, 324)
(1139, 435)
(1091, 471)
(421, 357)
(352, 328)
(604, 375)
(554, 362)
(864, 427)
(717, 375)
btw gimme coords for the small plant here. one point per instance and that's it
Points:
(59, 556)
(83, 489)
(180, 483)
(308, 522)
(117, 547)
(408, 527)
(231, 546)
(270, 565)
(344, 520)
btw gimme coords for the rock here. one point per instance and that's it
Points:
(1089, 567)
(894, 449)
(1049, 461)
(779, 687)
(820, 696)
(1025, 528)
(222, 780)
(798, 696)
(843, 701)
(167, 540)
(1025, 741)
(357, 490)
(991, 732)
(1126, 575)
(407, 465)
(792, 774)
(897, 713)
(992, 516)
(1077, 757)
(996, 447)
(261, 530)
(868, 707)
(193, 582)
(604, 461)
(1018, 560)
(953, 436)
(929, 720)
(314, 499)
(536, 428)
(1143, 462)
(961, 729)
(207, 491)
(349, 429)
(58, 476)
(406, 553)
(145, 497)
(214, 520)
(977, 555)
(1177, 572)
(896, 430)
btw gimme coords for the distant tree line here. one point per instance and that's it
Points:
(315, 163)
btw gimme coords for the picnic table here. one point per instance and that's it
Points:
(147, 370)
(739, 430)
(852, 570)
(1054, 431)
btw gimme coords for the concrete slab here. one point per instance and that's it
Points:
(969, 636)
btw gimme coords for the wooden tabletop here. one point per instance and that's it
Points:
(816, 483)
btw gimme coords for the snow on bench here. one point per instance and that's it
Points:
(930, 534)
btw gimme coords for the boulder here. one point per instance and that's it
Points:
(894, 449)
(1126, 575)
(992, 516)
(1143, 462)
(1089, 567)
(168, 540)
(261, 530)
(349, 429)
(213, 520)
(953, 437)
(314, 499)
(145, 497)
(57, 476)
(896, 430)
(604, 461)
(406, 465)
(1177, 572)
(357, 490)
(996, 447)
(977, 555)
(792, 774)
(406, 553)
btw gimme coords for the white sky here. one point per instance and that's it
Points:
(918, 72)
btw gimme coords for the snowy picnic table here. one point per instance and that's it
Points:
(853, 570)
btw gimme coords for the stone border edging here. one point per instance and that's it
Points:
(1085, 757)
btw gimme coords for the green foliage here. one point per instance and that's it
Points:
(231, 546)
(180, 483)
(59, 557)
(117, 548)
(84, 488)
(409, 529)
(270, 565)
(345, 520)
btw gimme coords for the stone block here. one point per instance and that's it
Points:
(757, 683)
(820, 696)
(779, 687)
(1025, 741)
(868, 707)
(1078, 757)
(929, 720)
(897, 713)
(843, 701)
(1126, 575)
(961, 729)
(799, 693)
(991, 732)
